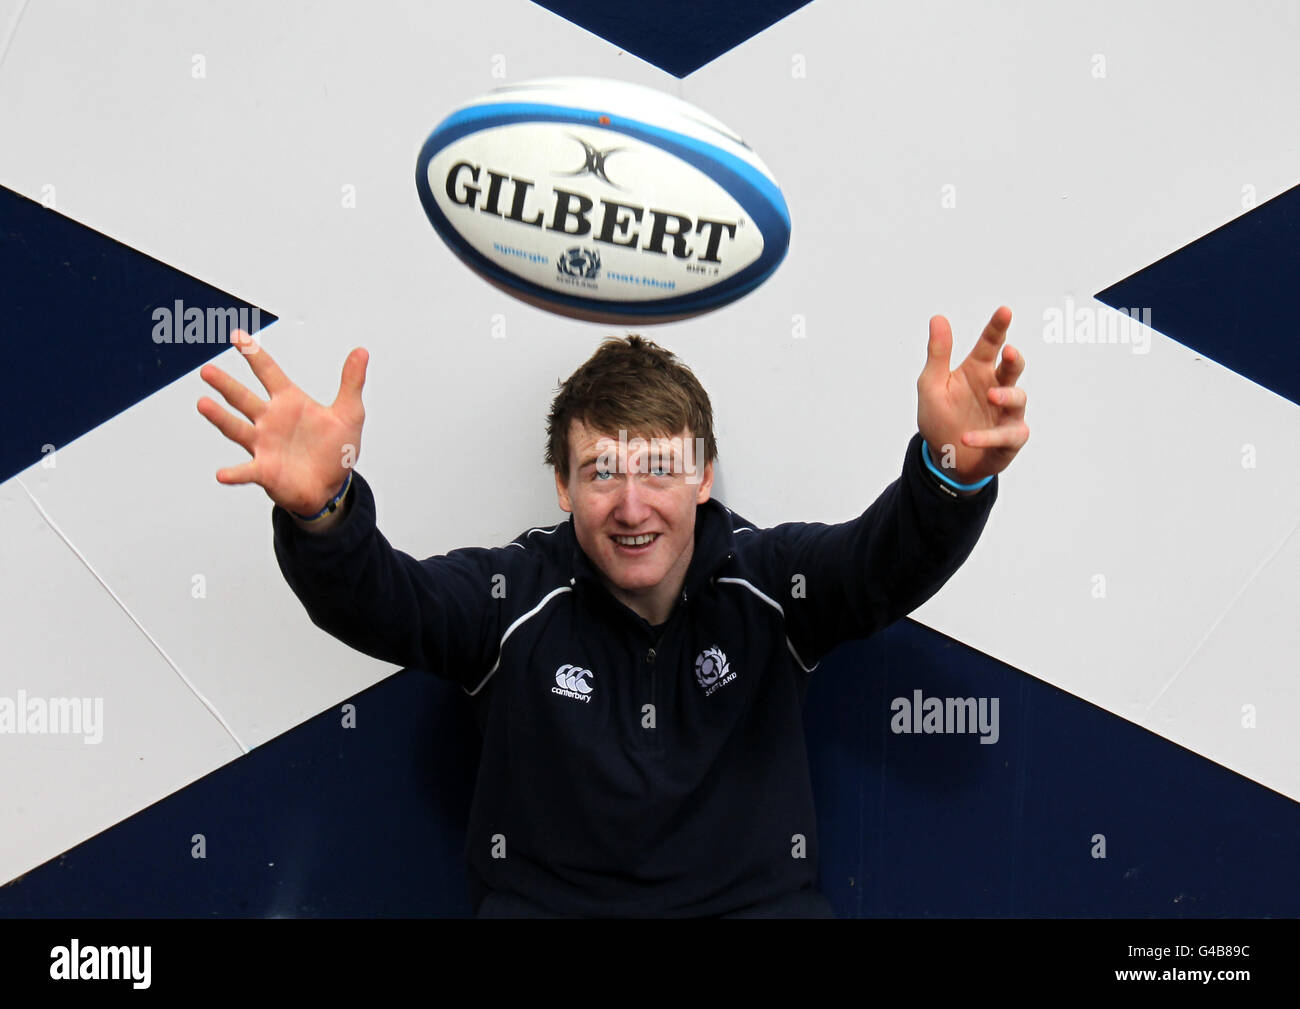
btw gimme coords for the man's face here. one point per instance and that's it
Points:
(639, 486)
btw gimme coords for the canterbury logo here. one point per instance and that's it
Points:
(573, 681)
(595, 162)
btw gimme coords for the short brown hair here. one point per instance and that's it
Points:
(631, 384)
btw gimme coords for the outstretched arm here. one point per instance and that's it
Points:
(857, 577)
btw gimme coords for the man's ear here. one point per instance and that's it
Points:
(706, 485)
(565, 503)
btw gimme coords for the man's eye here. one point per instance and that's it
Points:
(600, 474)
(661, 471)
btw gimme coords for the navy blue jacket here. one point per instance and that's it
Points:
(626, 769)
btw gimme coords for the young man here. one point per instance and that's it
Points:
(638, 671)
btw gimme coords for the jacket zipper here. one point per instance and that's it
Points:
(652, 651)
(654, 692)
(651, 654)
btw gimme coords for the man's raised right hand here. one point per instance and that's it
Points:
(301, 450)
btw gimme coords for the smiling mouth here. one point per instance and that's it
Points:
(635, 542)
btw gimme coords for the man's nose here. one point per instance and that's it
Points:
(631, 507)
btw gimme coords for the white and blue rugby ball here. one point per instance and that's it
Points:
(603, 200)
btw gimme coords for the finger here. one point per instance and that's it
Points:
(1008, 397)
(266, 370)
(244, 473)
(1012, 366)
(986, 349)
(938, 353)
(1006, 436)
(239, 431)
(353, 380)
(235, 393)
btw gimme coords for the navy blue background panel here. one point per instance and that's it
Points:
(1231, 294)
(78, 310)
(678, 36)
(944, 825)
(327, 821)
(321, 822)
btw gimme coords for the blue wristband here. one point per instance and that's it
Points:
(333, 503)
(925, 454)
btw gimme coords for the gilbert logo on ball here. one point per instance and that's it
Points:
(603, 200)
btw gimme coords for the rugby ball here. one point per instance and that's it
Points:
(603, 200)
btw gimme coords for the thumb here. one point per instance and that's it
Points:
(353, 380)
(938, 353)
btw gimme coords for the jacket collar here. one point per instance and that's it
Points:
(714, 542)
